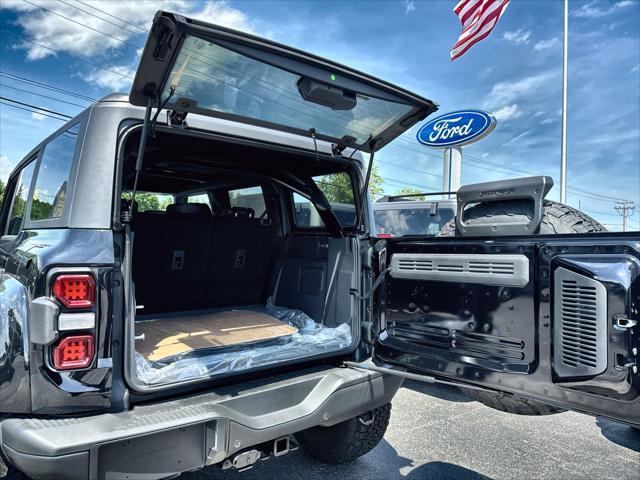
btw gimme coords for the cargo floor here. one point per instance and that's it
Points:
(166, 335)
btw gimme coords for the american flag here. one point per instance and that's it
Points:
(478, 18)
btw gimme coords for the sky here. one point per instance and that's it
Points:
(87, 49)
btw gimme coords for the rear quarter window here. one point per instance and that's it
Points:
(50, 190)
(17, 199)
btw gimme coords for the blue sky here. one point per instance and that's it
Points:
(515, 73)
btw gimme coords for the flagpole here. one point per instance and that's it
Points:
(563, 146)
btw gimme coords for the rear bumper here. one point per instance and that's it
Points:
(160, 440)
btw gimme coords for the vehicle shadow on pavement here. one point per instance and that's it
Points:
(619, 433)
(383, 462)
(444, 392)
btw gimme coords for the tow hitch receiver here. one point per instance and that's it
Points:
(246, 459)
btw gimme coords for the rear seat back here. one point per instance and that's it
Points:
(240, 261)
(169, 258)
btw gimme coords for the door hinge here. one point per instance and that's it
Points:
(177, 119)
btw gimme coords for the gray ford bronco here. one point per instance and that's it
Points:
(190, 276)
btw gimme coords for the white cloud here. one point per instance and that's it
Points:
(79, 33)
(518, 37)
(548, 121)
(6, 166)
(38, 116)
(635, 69)
(507, 112)
(113, 79)
(409, 7)
(547, 44)
(505, 93)
(597, 9)
(517, 137)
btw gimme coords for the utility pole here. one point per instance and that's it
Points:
(625, 208)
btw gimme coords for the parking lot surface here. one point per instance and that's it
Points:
(438, 433)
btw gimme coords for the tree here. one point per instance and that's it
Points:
(1, 193)
(411, 191)
(337, 187)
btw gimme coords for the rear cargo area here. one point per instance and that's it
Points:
(221, 286)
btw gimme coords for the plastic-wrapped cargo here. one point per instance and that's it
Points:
(310, 339)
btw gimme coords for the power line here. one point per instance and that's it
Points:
(100, 18)
(43, 96)
(113, 16)
(35, 107)
(45, 85)
(79, 23)
(626, 209)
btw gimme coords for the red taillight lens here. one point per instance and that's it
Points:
(385, 235)
(75, 291)
(73, 352)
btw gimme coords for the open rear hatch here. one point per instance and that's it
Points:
(189, 66)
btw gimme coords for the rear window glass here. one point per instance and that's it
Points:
(223, 80)
(19, 199)
(199, 198)
(53, 174)
(411, 221)
(338, 190)
(251, 197)
(150, 201)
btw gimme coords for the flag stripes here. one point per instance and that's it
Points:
(478, 19)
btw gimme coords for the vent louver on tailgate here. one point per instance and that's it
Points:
(580, 329)
(488, 269)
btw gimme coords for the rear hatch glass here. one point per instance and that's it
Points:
(206, 69)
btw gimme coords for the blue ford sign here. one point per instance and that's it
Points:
(456, 128)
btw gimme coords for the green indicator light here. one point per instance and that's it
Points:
(333, 77)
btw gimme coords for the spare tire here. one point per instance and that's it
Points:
(556, 219)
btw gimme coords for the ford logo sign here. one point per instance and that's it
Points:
(456, 128)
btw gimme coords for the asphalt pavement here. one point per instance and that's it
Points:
(438, 433)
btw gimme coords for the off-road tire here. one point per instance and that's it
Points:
(348, 440)
(556, 219)
(506, 402)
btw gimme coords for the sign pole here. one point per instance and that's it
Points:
(451, 170)
(563, 146)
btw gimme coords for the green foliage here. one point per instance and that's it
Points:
(337, 187)
(411, 191)
(2, 188)
(150, 201)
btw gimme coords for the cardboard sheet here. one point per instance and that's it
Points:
(171, 336)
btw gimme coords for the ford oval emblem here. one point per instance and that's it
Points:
(456, 128)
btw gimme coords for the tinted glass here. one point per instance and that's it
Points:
(51, 184)
(199, 198)
(338, 190)
(225, 81)
(411, 221)
(19, 199)
(150, 201)
(251, 197)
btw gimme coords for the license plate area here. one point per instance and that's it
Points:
(154, 456)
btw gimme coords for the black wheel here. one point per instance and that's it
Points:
(556, 218)
(348, 440)
(506, 402)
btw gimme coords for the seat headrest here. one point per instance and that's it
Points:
(240, 212)
(189, 208)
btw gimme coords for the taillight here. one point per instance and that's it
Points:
(73, 352)
(75, 290)
(384, 235)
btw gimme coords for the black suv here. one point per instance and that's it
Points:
(189, 276)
